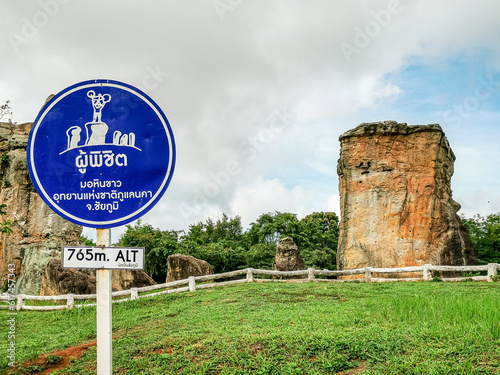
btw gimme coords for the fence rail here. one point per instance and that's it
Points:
(190, 284)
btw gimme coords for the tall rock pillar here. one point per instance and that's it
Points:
(38, 234)
(395, 198)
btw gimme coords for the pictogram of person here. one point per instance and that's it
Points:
(98, 102)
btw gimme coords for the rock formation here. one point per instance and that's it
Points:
(288, 257)
(395, 198)
(182, 266)
(126, 279)
(38, 234)
(58, 280)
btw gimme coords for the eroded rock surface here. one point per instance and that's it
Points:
(396, 200)
(58, 280)
(126, 279)
(288, 257)
(38, 233)
(182, 266)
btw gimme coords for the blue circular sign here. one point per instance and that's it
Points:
(101, 153)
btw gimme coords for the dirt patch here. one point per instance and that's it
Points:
(355, 370)
(169, 351)
(59, 359)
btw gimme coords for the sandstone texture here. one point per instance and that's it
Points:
(58, 280)
(38, 233)
(396, 200)
(126, 279)
(182, 266)
(288, 257)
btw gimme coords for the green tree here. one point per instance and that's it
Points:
(87, 241)
(5, 226)
(158, 245)
(227, 228)
(485, 235)
(225, 245)
(261, 256)
(264, 235)
(221, 243)
(316, 236)
(271, 227)
(223, 256)
(318, 239)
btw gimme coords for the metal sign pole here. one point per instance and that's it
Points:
(104, 317)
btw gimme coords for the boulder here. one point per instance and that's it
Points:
(58, 280)
(288, 257)
(396, 200)
(182, 266)
(126, 279)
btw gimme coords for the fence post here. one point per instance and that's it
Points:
(492, 271)
(368, 274)
(20, 302)
(249, 275)
(70, 301)
(310, 274)
(427, 272)
(191, 283)
(134, 294)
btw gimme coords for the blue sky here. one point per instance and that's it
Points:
(460, 93)
(267, 85)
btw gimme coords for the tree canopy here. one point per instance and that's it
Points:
(485, 235)
(158, 245)
(227, 246)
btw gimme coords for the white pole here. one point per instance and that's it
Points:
(104, 302)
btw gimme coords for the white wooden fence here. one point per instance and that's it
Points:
(249, 274)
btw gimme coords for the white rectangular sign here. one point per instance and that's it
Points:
(116, 258)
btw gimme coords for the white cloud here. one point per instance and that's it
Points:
(263, 196)
(480, 201)
(221, 79)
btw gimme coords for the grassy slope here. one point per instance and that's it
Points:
(397, 328)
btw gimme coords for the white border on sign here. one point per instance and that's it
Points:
(165, 127)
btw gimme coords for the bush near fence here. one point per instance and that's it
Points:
(250, 275)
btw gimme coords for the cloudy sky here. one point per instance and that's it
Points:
(258, 91)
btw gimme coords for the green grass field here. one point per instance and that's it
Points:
(284, 328)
